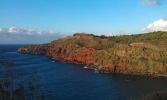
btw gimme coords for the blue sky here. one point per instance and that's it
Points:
(92, 16)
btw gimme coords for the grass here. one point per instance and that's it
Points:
(140, 53)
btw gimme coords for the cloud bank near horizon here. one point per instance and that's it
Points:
(13, 35)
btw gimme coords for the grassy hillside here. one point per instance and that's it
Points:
(102, 42)
(141, 53)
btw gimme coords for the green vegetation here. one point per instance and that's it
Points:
(103, 42)
(140, 53)
(145, 53)
(127, 54)
(140, 59)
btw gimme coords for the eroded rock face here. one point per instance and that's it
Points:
(71, 53)
(82, 56)
(114, 67)
(135, 57)
(34, 49)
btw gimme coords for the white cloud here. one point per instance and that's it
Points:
(23, 35)
(13, 30)
(151, 2)
(26, 31)
(159, 25)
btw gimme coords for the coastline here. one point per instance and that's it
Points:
(136, 58)
(93, 68)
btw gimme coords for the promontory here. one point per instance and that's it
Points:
(127, 54)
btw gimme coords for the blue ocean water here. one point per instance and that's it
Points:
(62, 81)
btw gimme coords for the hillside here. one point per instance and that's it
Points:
(134, 54)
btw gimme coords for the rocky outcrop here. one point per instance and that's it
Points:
(72, 54)
(109, 55)
(34, 49)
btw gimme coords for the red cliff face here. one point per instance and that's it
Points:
(82, 55)
(71, 53)
(104, 54)
(114, 67)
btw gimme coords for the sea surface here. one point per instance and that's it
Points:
(62, 81)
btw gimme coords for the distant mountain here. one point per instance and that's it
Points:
(128, 54)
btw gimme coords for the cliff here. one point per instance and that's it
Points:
(137, 54)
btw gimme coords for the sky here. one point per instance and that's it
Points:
(41, 21)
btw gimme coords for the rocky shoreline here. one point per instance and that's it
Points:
(105, 55)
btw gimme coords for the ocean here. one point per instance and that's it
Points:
(62, 81)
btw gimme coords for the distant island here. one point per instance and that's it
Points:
(126, 54)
